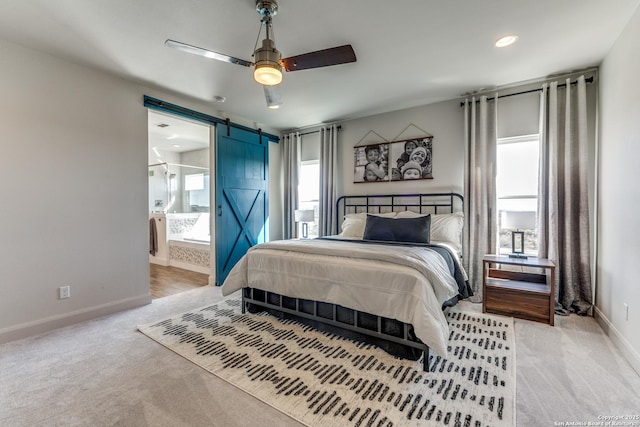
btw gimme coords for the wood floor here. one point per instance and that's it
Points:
(165, 281)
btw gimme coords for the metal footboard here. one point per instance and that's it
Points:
(332, 315)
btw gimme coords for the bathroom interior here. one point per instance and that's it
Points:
(179, 193)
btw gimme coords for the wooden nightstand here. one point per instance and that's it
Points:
(519, 294)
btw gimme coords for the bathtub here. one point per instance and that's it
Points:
(186, 241)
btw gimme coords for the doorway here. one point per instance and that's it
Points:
(179, 204)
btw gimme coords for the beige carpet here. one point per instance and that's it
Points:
(322, 379)
(104, 372)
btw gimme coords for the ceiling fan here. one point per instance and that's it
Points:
(268, 61)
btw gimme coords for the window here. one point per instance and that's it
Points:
(194, 181)
(517, 191)
(309, 192)
(197, 187)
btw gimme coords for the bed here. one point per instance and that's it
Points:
(385, 277)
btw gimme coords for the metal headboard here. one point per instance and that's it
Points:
(435, 203)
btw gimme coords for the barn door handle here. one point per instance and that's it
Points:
(219, 210)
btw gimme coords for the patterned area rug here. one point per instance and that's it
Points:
(322, 379)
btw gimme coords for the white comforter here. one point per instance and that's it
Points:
(408, 284)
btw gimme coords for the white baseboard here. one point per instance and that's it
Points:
(623, 345)
(54, 322)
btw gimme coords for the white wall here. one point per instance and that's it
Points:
(74, 208)
(74, 191)
(518, 115)
(195, 158)
(619, 192)
(443, 120)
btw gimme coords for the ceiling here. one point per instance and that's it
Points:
(410, 52)
(169, 133)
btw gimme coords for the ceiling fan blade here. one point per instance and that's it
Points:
(272, 96)
(207, 53)
(320, 58)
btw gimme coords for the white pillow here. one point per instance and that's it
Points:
(444, 227)
(353, 224)
(447, 228)
(409, 214)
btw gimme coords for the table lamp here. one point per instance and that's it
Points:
(516, 221)
(304, 216)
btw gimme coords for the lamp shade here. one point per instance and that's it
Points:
(268, 74)
(305, 215)
(517, 220)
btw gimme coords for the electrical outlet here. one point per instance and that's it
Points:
(626, 311)
(64, 292)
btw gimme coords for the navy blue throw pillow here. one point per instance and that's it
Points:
(409, 230)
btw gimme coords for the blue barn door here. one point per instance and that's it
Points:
(241, 195)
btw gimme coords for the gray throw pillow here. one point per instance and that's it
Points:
(408, 230)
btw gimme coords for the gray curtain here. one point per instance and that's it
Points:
(563, 207)
(480, 231)
(291, 176)
(328, 176)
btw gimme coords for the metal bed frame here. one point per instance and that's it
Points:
(349, 319)
(421, 203)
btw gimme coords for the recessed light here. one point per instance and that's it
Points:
(274, 107)
(176, 145)
(174, 136)
(506, 40)
(219, 98)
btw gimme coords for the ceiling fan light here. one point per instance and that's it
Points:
(268, 69)
(267, 74)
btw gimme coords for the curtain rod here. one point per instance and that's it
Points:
(339, 127)
(587, 80)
